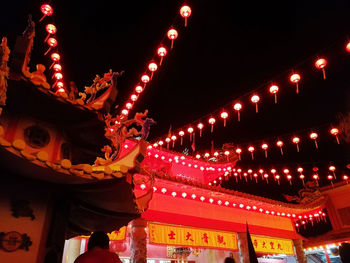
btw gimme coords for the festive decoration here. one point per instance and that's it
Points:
(152, 67)
(52, 42)
(296, 140)
(239, 151)
(314, 136)
(172, 35)
(237, 107)
(211, 122)
(185, 12)
(347, 48)
(162, 53)
(251, 149)
(255, 99)
(47, 10)
(224, 116)
(321, 64)
(295, 78)
(335, 132)
(265, 146)
(273, 90)
(181, 134)
(279, 143)
(51, 29)
(200, 126)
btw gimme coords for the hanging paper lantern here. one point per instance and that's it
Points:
(60, 85)
(335, 132)
(296, 140)
(200, 126)
(314, 136)
(185, 12)
(58, 76)
(277, 177)
(321, 64)
(251, 150)
(289, 178)
(273, 90)
(172, 35)
(128, 105)
(52, 42)
(161, 143)
(47, 10)
(125, 112)
(239, 151)
(346, 178)
(211, 122)
(198, 156)
(237, 107)
(162, 53)
(173, 138)
(264, 146)
(302, 177)
(273, 171)
(190, 131)
(227, 153)
(347, 48)
(133, 97)
(55, 57)
(255, 99)
(216, 154)
(295, 78)
(181, 134)
(57, 67)
(332, 169)
(145, 79)
(152, 67)
(315, 177)
(224, 116)
(50, 29)
(138, 89)
(266, 176)
(206, 155)
(300, 169)
(279, 143)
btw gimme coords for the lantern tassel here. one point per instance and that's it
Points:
(267, 181)
(47, 51)
(316, 145)
(297, 147)
(239, 157)
(239, 117)
(185, 21)
(252, 156)
(265, 154)
(336, 137)
(335, 177)
(200, 133)
(181, 141)
(256, 180)
(41, 19)
(281, 150)
(47, 37)
(324, 73)
(173, 144)
(161, 60)
(303, 182)
(172, 44)
(256, 108)
(275, 98)
(212, 128)
(224, 122)
(297, 88)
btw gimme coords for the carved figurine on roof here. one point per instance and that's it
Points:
(309, 193)
(118, 129)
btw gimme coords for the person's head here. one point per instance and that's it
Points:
(344, 252)
(229, 260)
(98, 239)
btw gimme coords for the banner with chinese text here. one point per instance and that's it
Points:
(271, 245)
(193, 237)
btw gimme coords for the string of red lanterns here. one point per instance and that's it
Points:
(52, 42)
(172, 34)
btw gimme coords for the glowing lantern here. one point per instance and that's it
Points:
(145, 79)
(128, 105)
(200, 126)
(216, 154)
(52, 42)
(211, 122)
(55, 57)
(266, 176)
(251, 150)
(295, 78)
(185, 12)
(125, 112)
(202, 198)
(239, 151)
(296, 140)
(61, 90)
(321, 64)
(60, 85)
(193, 196)
(190, 131)
(181, 134)
(138, 89)
(300, 169)
(173, 138)
(184, 195)
(206, 155)
(198, 156)
(162, 53)
(50, 29)
(255, 99)
(256, 177)
(335, 132)
(314, 136)
(133, 97)
(346, 178)
(315, 177)
(167, 140)
(142, 186)
(237, 107)
(277, 177)
(264, 146)
(58, 76)
(279, 143)
(152, 67)
(57, 67)
(273, 171)
(289, 177)
(172, 35)
(332, 169)
(302, 177)
(347, 48)
(161, 143)
(173, 194)
(227, 153)
(273, 90)
(224, 115)
(47, 10)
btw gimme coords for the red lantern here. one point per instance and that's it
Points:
(335, 132)
(161, 143)
(200, 126)
(314, 136)
(138, 89)
(162, 53)
(46, 10)
(300, 169)
(172, 35)
(321, 64)
(190, 131)
(251, 150)
(185, 12)
(152, 67)
(330, 178)
(181, 134)
(145, 79)
(55, 57)
(133, 97)
(239, 151)
(206, 155)
(224, 115)
(50, 29)
(315, 177)
(266, 176)
(255, 99)
(58, 76)
(167, 140)
(346, 178)
(289, 178)
(52, 42)
(237, 107)
(277, 177)
(198, 156)
(128, 105)
(173, 138)
(273, 90)
(57, 67)
(302, 177)
(296, 140)
(279, 143)
(332, 169)
(295, 78)
(211, 122)
(348, 47)
(264, 146)
(61, 90)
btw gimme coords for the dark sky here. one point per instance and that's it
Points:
(228, 49)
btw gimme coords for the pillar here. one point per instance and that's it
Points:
(138, 245)
(243, 247)
(299, 251)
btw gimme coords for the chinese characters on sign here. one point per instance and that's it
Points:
(195, 237)
(272, 245)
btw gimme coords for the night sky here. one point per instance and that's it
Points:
(228, 50)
